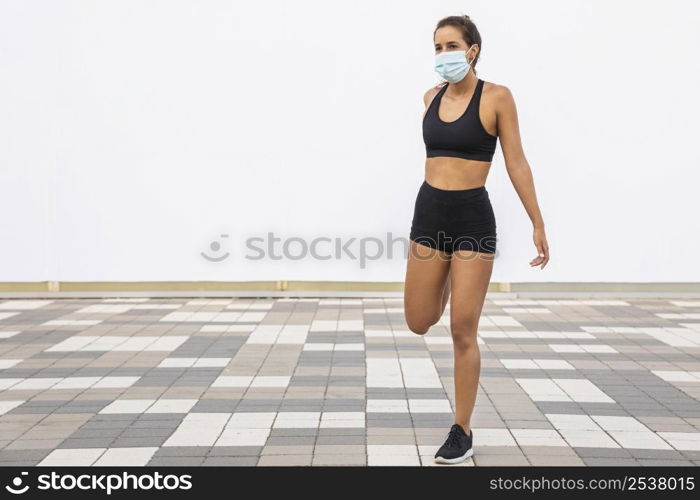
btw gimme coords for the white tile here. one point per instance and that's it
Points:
(500, 320)
(427, 458)
(517, 364)
(24, 304)
(264, 334)
(405, 334)
(262, 305)
(135, 343)
(167, 343)
(383, 372)
(198, 429)
(343, 424)
(387, 406)
(343, 415)
(566, 348)
(318, 346)
(435, 340)
(527, 310)
(675, 375)
(232, 436)
(126, 299)
(172, 406)
(349, 347)
(74, 343)
(270, 381)
(340, 419)
(104, 309)
(392, 449)
(124, 457)
(429, 406)
(592, 348)
(36, 383)
(232, 381)
(420, 373)
(574, 422)
(252, 420)
(677, 338)
(115, 382)
(9, 363)
(641, 440)
(686, 441)
(8, 383)
(487, 436)
(156, 306)
(177, 362)
(72, 456)
(586, 438)
(186, 316)
(119, 343)
(537, 437)
(128, 406)
(379, 333)
(515, 302)
(72, 322)
(393, 460)
(105, 343)
(583, 391)
(324, 325)
(598, 348)
(297, 419)
(76, 383)
(542, 389)
(350, 325)
(218, 328)
(9, 405)
(630, 432)
(212, 362)
(620, 423)
(553, 364)
(246, 317)
(293, 334)
(208, 302)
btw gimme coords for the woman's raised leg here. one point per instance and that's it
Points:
(427, 286)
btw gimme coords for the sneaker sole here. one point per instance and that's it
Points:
(456, 460)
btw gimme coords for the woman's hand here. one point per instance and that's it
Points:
(540, 241)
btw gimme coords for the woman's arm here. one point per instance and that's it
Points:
(518, 168)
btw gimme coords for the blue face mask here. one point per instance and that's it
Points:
(452, 65)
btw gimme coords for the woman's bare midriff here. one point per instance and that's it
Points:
(444, 172)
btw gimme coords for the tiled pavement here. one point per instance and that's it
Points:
(343, 382)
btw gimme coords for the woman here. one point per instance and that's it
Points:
(453, 232)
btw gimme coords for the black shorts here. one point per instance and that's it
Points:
(450, 220)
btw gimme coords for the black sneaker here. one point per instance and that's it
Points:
(457, 447)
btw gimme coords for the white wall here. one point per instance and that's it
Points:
(134, 133)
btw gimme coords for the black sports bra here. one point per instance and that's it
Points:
(465, 137)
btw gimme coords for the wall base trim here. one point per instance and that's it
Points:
(284, 288)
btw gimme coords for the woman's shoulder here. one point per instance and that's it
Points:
(432, 92)
(495, 90)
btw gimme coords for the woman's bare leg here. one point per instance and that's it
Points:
(425, 290)
(446, 293)
(470, 276)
